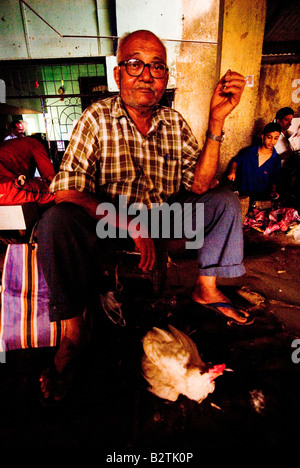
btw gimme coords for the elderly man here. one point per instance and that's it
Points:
(130, 146)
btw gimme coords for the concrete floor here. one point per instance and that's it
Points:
(110, 408)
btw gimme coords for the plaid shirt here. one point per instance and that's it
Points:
(108, 154)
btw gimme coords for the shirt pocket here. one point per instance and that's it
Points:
(117, 166)
(169, 170)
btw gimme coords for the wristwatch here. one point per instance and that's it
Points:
(215, 137)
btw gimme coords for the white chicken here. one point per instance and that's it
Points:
(172, 366)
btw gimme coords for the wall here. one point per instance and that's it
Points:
(197, 70)
(25, 35)
(279, 87)
(241, 50)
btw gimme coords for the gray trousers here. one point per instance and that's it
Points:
(69, 248)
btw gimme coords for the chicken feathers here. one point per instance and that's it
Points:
(172, 366)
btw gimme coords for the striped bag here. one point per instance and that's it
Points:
(24, 320)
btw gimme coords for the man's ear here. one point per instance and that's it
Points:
(117, 75)
(166, 79)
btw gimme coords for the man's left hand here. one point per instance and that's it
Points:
(227, 95)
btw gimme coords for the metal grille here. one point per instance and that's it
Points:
(53, 88)
(58, 89)
(36, 78)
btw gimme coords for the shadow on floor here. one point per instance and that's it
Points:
(110, 408)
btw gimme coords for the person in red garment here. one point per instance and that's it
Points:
(19, 159)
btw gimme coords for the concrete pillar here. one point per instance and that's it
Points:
(104, 14)
(242, 35)
(196, 64)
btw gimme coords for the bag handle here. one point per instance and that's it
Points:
(32, 238)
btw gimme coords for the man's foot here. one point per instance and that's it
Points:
(55, 383)
(56, 380)
(207, 298)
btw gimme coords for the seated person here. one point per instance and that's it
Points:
(17, 130)
(255, 170)
(290, 172)
(19, 158)
(295, 141)
(129, 145)
(284, 118)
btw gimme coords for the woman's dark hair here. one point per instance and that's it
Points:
(272, 127)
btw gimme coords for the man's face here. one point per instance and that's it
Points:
(286, 122)
(270, 139)
(18, 130)
(142, 91)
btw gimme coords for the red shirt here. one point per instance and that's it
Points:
(21, 156)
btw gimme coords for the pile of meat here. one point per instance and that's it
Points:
(268, 221)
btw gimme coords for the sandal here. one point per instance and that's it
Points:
(215, 306)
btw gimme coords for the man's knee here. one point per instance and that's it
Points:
(227, 201)
(231, 199)
(60, 218)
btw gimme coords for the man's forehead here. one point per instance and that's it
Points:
(143, 43)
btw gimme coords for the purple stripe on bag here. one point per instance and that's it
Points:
(18, 329)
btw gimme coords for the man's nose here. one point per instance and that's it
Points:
(146, 75)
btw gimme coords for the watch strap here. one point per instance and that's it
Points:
(215, 137)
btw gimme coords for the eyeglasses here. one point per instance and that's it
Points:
(135, 67)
